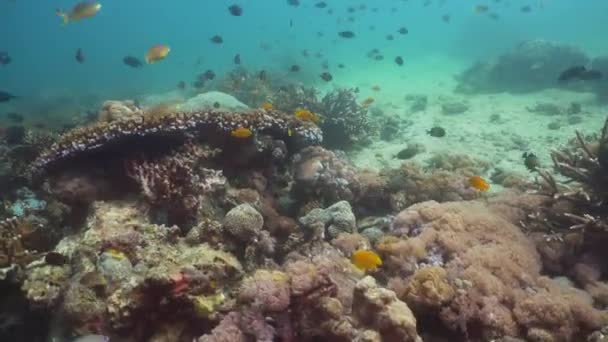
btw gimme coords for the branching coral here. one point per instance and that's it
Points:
(345, 122)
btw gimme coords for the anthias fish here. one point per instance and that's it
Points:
(81, 10)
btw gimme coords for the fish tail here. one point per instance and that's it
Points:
(64, 16)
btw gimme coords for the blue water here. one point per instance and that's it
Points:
(43, 50)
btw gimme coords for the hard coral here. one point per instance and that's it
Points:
(345, 122)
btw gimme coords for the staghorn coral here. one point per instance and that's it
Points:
(115, 135)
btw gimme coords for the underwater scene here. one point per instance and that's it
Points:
(304, 170)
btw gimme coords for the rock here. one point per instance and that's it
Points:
(410, 151)
(380, 309)
(335, 219)
(211, 100)
(373, 234)
(244, 222)
(554, 126)
(454, 107)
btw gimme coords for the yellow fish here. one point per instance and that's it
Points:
(366, 260)
(306, 115)
(81, 10)
(241, 133)
(157, 53)
(367, 102)
(267, 106)
(479, 183)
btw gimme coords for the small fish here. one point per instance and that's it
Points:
(366, 260)
(79, 56)
(390, 37)
(346, 34)
(378, 57)
(341, 66)
(5, 59)
(133, 62)
(367, 102)
(376, 88)
(403, 30)
(237, 59)
(294, 3)
(6, 96)
(480, 9)
(294, 68)
(446, 18)
(15, 117)
(81, 10)
(437, 132)
(531, 161)
(399, 60)
(479, 183)
(216, 105)
(262, 75)
(579, 73)
(267, 105)
(306, 115)
(157, 53)
(321, 4)
(55, 259)
(181, 85)
(241, 133)
(235, 10)
(326, 76)
(207, 75)
(525, 9)
(217, 39)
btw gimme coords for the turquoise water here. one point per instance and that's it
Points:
(43, 50)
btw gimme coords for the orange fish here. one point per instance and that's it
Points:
(267, 105)
(366, 260)
(81, 10)
(241, 133)
(367, 102)
(479, 183)
(306, 115)
(157, 53)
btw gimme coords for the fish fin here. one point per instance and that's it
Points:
(64, 16)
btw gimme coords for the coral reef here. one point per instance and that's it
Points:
(531, 66)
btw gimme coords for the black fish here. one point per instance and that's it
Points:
(262, 75)
(446, 18)
(403, 30)
(579, 72)
(216, 105)
(526, 9)
(5, 59)
(217, 39)
(15, 117)
(390, 37)
(326, 77)
(378, 57)
(294, 3)
(55, 259)
(341, 66)
(6, 96)
(237, 59)
(79, 56)
(235, 10)
(399, 60)
(531, 161)
(294, 68)
(437, 132)
(133, 62)
(321, 4)
(346, 34)
(207, 75)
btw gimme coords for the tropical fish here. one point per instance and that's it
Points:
(346, 34)
(157, 53)
(241, 133)
(79, 56)
(81, 10)
(399, 60)
(235, 10)
(367, 102)
(306, 115)
(480, 9)
(6, 96)
(5, 59)
(366, 260)
(437, 132)
(531, 161)
(327, 77)
(133, 62)
(267, 105)
(479, 183)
